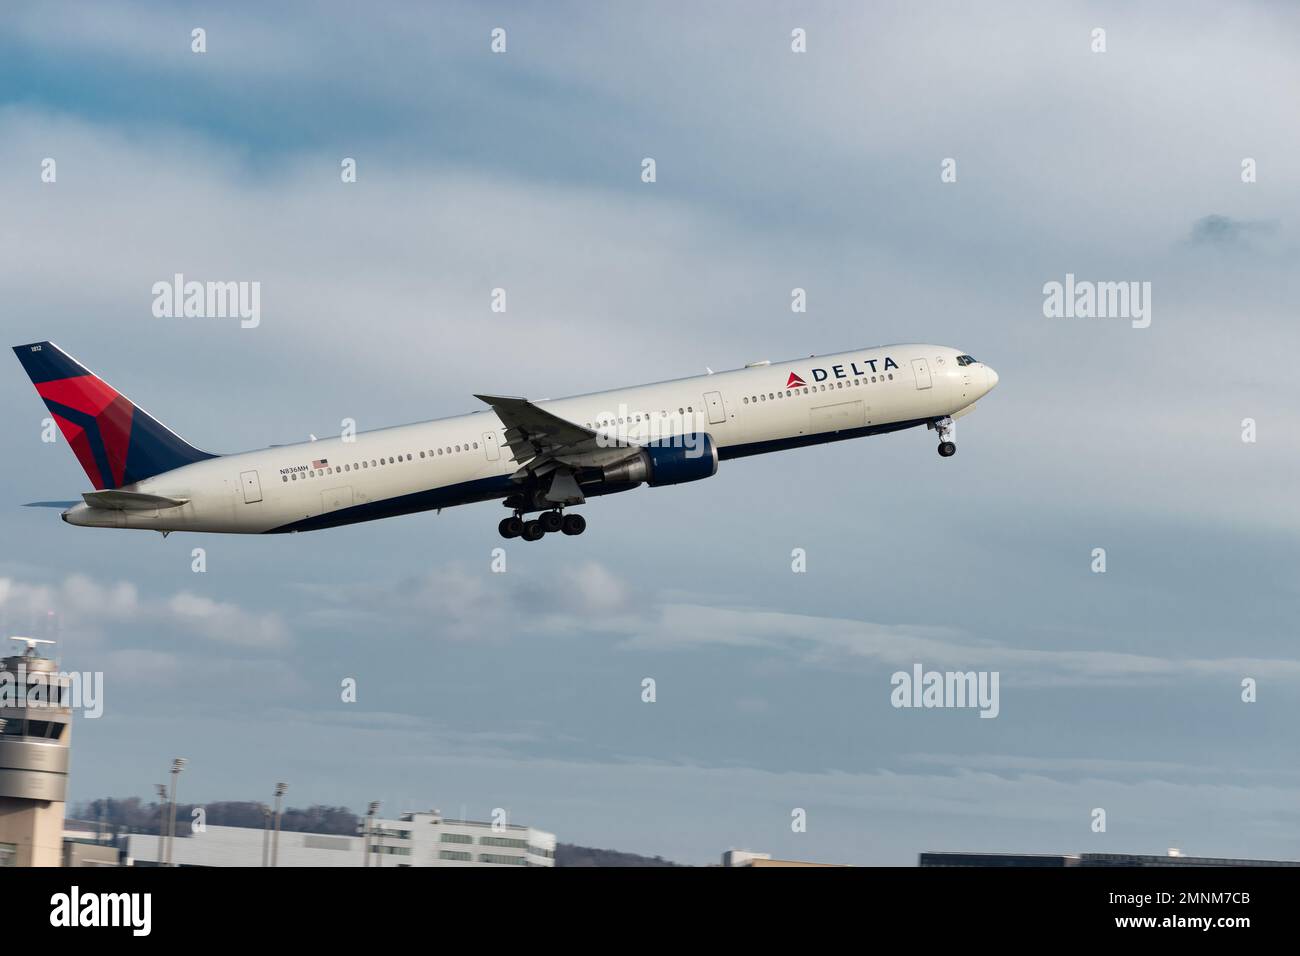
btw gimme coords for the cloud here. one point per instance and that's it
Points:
(451, 601)
(589, 598)
(225, 622)
(831, 641)
(1216, 230)
(1096, 767)
(82, 607)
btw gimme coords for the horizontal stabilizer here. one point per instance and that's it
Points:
(130, 500)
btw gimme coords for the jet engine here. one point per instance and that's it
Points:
(668, 461)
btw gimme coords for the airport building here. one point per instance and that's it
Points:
(415, 839)
(35, 729)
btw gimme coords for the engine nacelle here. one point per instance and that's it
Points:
(669, 461)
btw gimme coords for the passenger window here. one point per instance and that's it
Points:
(284, 477)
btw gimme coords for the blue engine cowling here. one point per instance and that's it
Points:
(669, 461)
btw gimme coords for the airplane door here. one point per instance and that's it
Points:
(490, 446)
(252, 487)
(717, 414)
(922, 371)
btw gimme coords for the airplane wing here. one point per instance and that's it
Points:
(532, 432)
(546, 444)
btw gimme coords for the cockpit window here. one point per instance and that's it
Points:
(965, 360)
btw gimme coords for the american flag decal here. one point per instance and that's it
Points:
(320, 463)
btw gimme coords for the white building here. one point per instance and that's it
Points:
(417, 839)
(426, 839)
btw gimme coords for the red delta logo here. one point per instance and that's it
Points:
(794, 381)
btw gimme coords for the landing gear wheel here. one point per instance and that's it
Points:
(532, 531)
(551, 521)
(574, 524)
(510, 527)
(947, 432)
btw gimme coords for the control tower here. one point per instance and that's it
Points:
(35, 725)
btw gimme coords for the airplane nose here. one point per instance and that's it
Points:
(992, 377)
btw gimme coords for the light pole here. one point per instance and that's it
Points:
(266, 834)
(280, 788)
(178, 765)
(162, 821)
(365, 832)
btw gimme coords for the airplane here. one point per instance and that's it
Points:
(535, 457)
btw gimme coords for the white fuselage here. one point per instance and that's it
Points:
(459, 460)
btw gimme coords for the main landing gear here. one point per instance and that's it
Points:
(947, 432)
(548, 522)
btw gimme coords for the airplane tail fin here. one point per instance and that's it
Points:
(116, 441)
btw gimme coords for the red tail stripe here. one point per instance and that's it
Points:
(85, 393)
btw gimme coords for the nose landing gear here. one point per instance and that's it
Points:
(947, 432)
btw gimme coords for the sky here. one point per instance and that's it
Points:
(772, 727)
